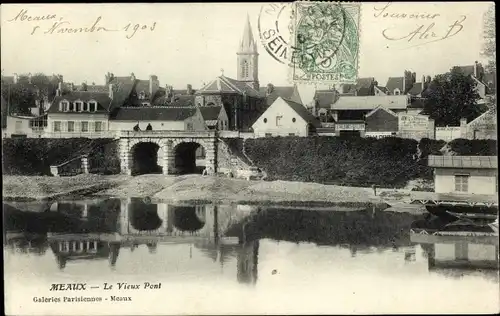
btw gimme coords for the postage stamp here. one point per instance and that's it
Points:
(324, 42)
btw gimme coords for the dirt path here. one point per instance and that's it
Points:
(199, 188)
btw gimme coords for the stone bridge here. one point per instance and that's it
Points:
(170, 144)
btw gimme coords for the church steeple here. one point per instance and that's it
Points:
(248, 58)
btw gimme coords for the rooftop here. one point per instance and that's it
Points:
(162, 113)
(475, 162)
(398, 102)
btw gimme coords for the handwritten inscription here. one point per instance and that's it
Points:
(424, 33)
(60, 25)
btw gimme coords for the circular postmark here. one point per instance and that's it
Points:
(274, 30)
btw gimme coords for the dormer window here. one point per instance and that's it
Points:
(92, 106)
(142, 95)
(71, 107)
(85, 107)
(78, 106)
(64, 106)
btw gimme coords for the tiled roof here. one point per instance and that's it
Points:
(383, 89)
(393, 102)
(476, 162)
(8, 79)
(210, 113)
(179, 101)
(303, 113)
(416, 89)
(286, 92)
(394, 83)
(153, 113)
(224, 84)
(121, 93)
(103, 100)
(467, 70)
(382, 109)
(325, 98)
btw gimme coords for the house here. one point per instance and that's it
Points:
(156, 119)
(272, 92)
(381, 121)
(285, 118)
(215, 117)
(401, 85)
(485, 83)
(81, 113)
(465, 174)
(349, 112)
(322, 104)
(363, 87)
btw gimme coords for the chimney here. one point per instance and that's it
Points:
(72, 86)
(189, 89)
(475, 69)
(152, 84)
(404, 83)
(16, 78)
(59, 89)
(111, 88)
(132, 76)
(29, 78)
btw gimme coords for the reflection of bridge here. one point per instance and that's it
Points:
(168, 143)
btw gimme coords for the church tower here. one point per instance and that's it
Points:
(248, 58)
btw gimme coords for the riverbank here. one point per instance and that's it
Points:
(196, 188)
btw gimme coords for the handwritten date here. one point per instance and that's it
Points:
(64, 26)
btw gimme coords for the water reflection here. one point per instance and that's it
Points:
(457, 247)
(116, 231)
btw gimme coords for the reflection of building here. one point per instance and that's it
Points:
(74, 247)
(22, 242)
(465, 252)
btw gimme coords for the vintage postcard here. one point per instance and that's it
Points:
(308, 157)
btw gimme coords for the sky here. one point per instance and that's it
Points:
(193, 43)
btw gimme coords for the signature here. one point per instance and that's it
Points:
(424, 33)
(62, 26)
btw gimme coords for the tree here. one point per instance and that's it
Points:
(452, 96)
(22, 95)
(489, 33)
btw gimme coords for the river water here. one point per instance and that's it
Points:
(238, 259)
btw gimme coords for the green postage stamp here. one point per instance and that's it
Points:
(324, 42)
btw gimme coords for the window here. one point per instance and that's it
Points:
(64, 106)
(85, 107)
(98, 126)
(85, 126)
(142, 95)
(294, 120)
(461, 183)
(291, 134)
(78, 106)
(57, 126)
(244, 69)
(92, 106)
(71, 126)
(278, 120)
(189, 126)
(71, 107)
(268, 135)
(265, 120)
(19, 126)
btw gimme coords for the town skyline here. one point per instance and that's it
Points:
(215, 41)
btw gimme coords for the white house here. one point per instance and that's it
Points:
(465, 174)
(157, 119)
(285, 118)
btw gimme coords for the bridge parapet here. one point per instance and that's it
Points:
(168, 134)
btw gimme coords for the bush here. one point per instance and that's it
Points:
(34, 156)
(345, 161)
(475, 147)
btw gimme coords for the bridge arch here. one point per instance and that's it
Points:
(146, 156)
(189, 156)
(168, 152)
